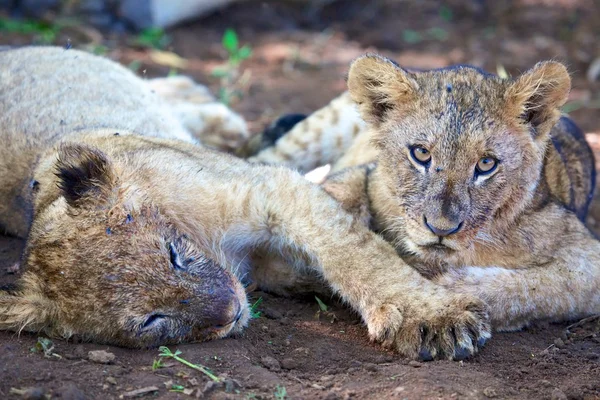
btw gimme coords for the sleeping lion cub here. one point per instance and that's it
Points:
(138, 237)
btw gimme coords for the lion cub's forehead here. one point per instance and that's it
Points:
(461, 89)
(461, 104)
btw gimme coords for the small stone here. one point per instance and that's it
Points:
(558, 394)
(371, 367)
(399, 389)
(289, 363)
(72, 392)
(101, 356)
(270, 363)
(332, 396)
(193, 382)
(111, 380)
(415, 364)
(559, 343)
(490, 392)
(271, 313)
(34, 393)
(545, 382)
(231, 385)
(141, 392)
(210, 387)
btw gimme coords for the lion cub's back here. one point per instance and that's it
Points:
(47, 93)
(570, 170)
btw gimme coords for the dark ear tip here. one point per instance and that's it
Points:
(80, 169)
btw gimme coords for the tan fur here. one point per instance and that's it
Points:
(521, 247)
(142, 238)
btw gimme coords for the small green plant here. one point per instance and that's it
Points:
(254, 313)
(43, 32)
(46, 346)
(446, 13)
(322, 305)
(177, 388)
(232, 83)
(157, 364)
(280, 392)
(167, 353)
(323, 311)
(231, 44)
(153, 38)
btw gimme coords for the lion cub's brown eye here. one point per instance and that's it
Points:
(486, 165)
(420, 155)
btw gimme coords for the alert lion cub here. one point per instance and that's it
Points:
(137, 237)
(477, 181)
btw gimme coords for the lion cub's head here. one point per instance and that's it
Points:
(460, 150)
(104, 263)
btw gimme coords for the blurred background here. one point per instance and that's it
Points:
(264, 58)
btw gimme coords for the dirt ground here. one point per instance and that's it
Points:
(298, 64)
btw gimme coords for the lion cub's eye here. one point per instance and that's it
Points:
(420, 155)
(486, 165)
(175, 258)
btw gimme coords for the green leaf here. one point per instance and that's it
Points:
(411, 36)
(438, 33)
(446, 13)
(219, 72)
(230, 41)
(322, 305)
(244, 52)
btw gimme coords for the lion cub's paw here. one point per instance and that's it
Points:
(453, 329)
(213, 124)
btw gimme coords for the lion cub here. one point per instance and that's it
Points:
(477, 182)
(139, 238)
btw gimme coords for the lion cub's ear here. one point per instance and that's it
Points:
(537, 95)
(378, 85)
(85, 174)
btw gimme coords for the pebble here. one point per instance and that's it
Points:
(72, 392)
(415, 364)
(34, 393)
(289, 363)
(271, 313)
(490, 392)
(371, 367)
(559, 343)
(270, 363)
(101, 356)
(558, 394)
(111, 380)
(141, 392)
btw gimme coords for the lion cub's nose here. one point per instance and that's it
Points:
(440, 231)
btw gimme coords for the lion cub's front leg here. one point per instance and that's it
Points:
(288, 215)
(560, 280)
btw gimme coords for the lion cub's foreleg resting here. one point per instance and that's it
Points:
(284, 214)
(563, 284)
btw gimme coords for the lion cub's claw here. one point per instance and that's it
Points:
(454, 331)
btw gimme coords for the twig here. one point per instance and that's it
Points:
(166, 352)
